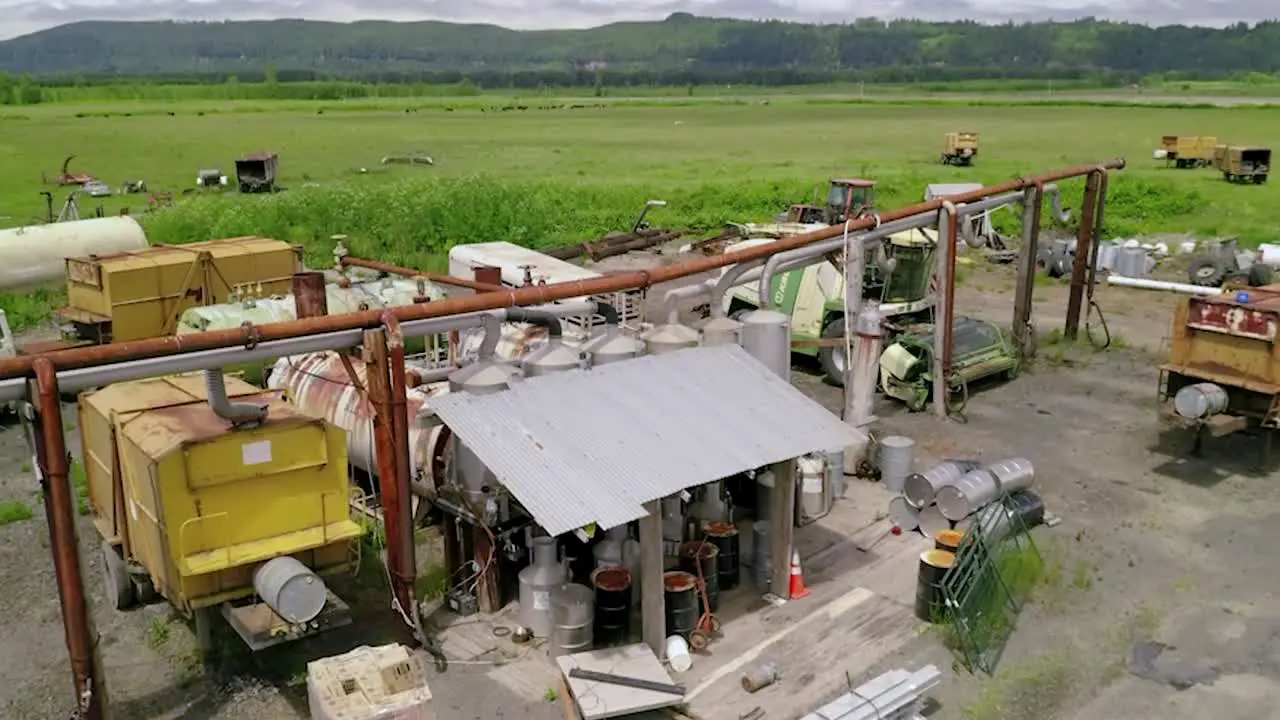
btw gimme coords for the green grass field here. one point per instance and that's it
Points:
(550, 173)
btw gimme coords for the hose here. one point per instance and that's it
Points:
(956, 411)
(1093, 309)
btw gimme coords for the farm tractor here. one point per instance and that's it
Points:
(847, 199)
(959, 148)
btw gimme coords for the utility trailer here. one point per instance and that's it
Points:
(1222, 374)
(256, 172)
(959, 148)
(1186, 151)
(1240, 164)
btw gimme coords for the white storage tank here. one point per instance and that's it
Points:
(35, 255)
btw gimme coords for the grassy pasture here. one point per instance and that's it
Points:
(551, 173)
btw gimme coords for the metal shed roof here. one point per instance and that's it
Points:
(588, 446)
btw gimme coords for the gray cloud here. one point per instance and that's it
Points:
(18, 17)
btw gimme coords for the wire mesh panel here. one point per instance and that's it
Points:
(997, 565)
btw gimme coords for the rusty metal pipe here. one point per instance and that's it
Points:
(1084, 249)
(948, 225)
(489, 275)
(51, 452)
(1023, 331)
(348, 261)
(378, 383)
(309, 296)
(537, 294)
(397, 505)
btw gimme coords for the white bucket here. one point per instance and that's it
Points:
(678, 653)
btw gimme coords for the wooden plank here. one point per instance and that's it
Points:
(597, 700)
(813, 660)
(782, 523)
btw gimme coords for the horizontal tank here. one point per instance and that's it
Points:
(209, 504)
(280, 308)
(35, 255)
(318, 384)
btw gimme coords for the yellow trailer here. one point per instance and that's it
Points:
(212, 494)
(960, 148)
(1187, 151)
(141, 294)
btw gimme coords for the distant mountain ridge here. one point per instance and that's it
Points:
(680, 44)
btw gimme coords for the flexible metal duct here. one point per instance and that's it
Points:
(238, 414)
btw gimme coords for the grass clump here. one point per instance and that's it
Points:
(12, 511)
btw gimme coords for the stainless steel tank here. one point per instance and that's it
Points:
(766, 335)
(611, 346)
(572, 619)
(721, 331)
(536, 584)
(36, 255)
(553, 357)
(670, 337)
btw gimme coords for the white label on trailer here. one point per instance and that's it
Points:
(541, 599)
(256, 453)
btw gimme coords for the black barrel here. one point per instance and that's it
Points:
(681, 595)
(934, 564)
(1027, 506)
(724, 536)
(613, 606)
(701, 555)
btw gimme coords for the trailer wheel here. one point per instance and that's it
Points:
(1206, 272)
(1261, 274)
(116, 580)
(833, 360)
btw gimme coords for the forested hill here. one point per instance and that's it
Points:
(680, 49)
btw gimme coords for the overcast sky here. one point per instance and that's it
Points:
(18, 17)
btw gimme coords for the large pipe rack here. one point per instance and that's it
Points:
(40, 379)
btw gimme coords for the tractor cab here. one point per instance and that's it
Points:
(849, 199)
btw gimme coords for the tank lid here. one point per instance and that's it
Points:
(670, 337)
(765, 317)
(483, 377)
(553, 357)
(612, 346)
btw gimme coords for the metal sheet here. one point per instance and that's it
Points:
(587, 446)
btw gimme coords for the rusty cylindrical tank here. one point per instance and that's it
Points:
(318, 384)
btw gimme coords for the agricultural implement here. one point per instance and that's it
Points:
(1240, 164)
(1186, 151)
(1222, 374)
(959, 148)
(980, 350)
(256, 173)
(65, 177)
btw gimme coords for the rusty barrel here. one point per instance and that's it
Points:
(948, 540)
(699, 559)
(613, 605)
(680, 591)
(724, 535)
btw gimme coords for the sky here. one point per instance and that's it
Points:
(18, 17)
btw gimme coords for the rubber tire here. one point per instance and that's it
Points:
(1059, 266)
(826, 356)
(698, 640)
(116, 583)
(1261, 274)
(1197, 276)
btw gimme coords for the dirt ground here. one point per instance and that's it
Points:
(1158, 599)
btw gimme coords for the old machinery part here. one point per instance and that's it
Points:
(291, 589)
(1200, 401)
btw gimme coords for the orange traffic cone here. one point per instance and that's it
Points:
(797, 589)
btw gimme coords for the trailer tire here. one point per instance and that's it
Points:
(1261, 274)
(144, 591)
(833, 360)
(1206, 272)
(1059, 265)
(116, 581)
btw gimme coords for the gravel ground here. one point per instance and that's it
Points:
(1157, 577)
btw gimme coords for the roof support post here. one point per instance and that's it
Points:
(653, 623)
(782, 515)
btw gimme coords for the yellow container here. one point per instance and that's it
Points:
(200, 505)
(141, 294)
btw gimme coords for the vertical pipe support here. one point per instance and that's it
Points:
(51, 456)
(309, 298)
(944, 317)
(378, 382)
(855, 266)
(782, 504)
(653, 622)
(1032, 208)
(1084, 251)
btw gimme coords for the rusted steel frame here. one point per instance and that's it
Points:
(1033, 206)
(51, 454)
(348, 261)
(587, 247)
(309, 297)
(377, 376)
(507, 297)
(403, 510)
(1104, 180)
(1084, 249)
(600, 253)
(952, 238)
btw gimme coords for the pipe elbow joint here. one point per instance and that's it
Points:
(240, 415)
(608, 312)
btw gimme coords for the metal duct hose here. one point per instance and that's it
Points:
(536, 317)
(238, 414)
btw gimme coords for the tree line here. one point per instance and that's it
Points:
(681, 50)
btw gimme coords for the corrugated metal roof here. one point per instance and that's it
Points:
(594, 446)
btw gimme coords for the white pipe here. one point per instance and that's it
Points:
(1122, 281)
(669, 307)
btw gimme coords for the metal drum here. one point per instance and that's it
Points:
(724, 536)
(290, 588)
(761, 556)
(613, 605)
(896, 456)
(680, 591)
(699, 559)
(572, 617)
(930, 600)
